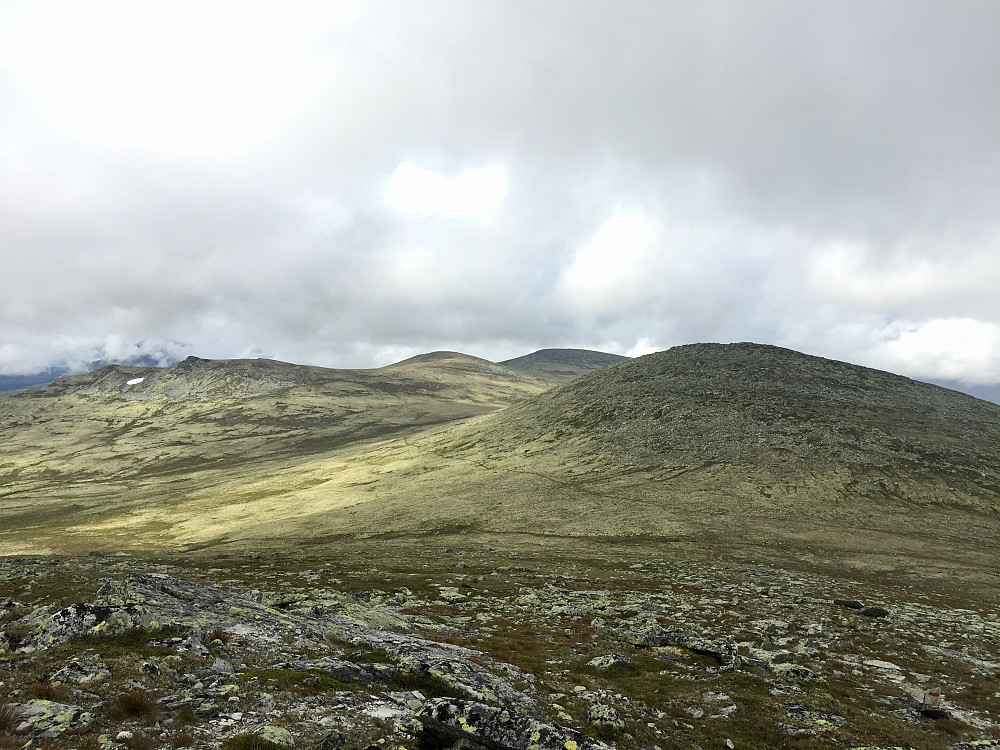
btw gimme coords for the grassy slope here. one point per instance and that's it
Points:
(755, 449)
(92, 458)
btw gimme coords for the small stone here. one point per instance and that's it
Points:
(849, 603)
(221, 666)
(875, 612)
(715, 697)
(124, 735)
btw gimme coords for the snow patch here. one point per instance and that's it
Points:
(134, 381)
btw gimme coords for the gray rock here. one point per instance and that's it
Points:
(51, 719)
(875, 612)
(444, 721)
(849, 603)
(76, 673)
(600, 714)
(607, 662)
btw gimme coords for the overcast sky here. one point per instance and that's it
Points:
(349, 184)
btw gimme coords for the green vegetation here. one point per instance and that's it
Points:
(249, 742)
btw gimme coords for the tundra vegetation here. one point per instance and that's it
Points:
(712, 543)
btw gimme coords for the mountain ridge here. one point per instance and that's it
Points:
(738, 443)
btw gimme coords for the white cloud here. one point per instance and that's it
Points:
(952, 348)
(643, 346)
(611, 271)
(474, 193)
(191, 77)
(909, 275)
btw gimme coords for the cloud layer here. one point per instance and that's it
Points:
(348, 183)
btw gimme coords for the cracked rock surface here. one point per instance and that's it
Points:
(545, 648)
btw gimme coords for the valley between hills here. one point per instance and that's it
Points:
(567, 550)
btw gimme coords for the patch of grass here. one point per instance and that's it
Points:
(49, 692)
(185, 717)
(296, 681)
(141, 741)
(183, 739)
(133, 641)
(8, 717)
(248, 742)
(136, 704)
(952, 726)
(218, 634)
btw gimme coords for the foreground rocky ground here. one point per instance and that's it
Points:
(481, 643)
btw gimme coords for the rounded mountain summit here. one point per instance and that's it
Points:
(729, 444)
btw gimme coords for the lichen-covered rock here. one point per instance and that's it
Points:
(278, 735)
(450, 664)
(77, 673)
(795, 673)
(445, 721)
(78, 620)
(608, 661)
(600, 714)
(816, 721)
(766, 658)
(651, 634)
(51, 719)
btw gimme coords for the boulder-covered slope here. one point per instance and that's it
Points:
(776, 411)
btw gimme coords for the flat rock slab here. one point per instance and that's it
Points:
(446, 721)
(51, 719)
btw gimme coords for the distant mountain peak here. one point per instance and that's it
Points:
(559, 366)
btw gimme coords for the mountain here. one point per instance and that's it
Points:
(158, 357)
(119, 449)
(734, 541)
(561, 365)
(747, 445)
(17, 382)
(739, 446)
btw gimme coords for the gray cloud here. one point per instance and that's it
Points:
(821, 176)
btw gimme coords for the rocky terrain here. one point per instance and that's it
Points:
(715, 546)
(481, 642)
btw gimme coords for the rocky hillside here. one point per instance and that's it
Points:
(775, 411)
(560, 366)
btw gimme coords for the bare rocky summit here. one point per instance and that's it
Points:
(779, 413)
(561, 365)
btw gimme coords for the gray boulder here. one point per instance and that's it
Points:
(443, 722)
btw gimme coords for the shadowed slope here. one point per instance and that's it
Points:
(559, 366)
